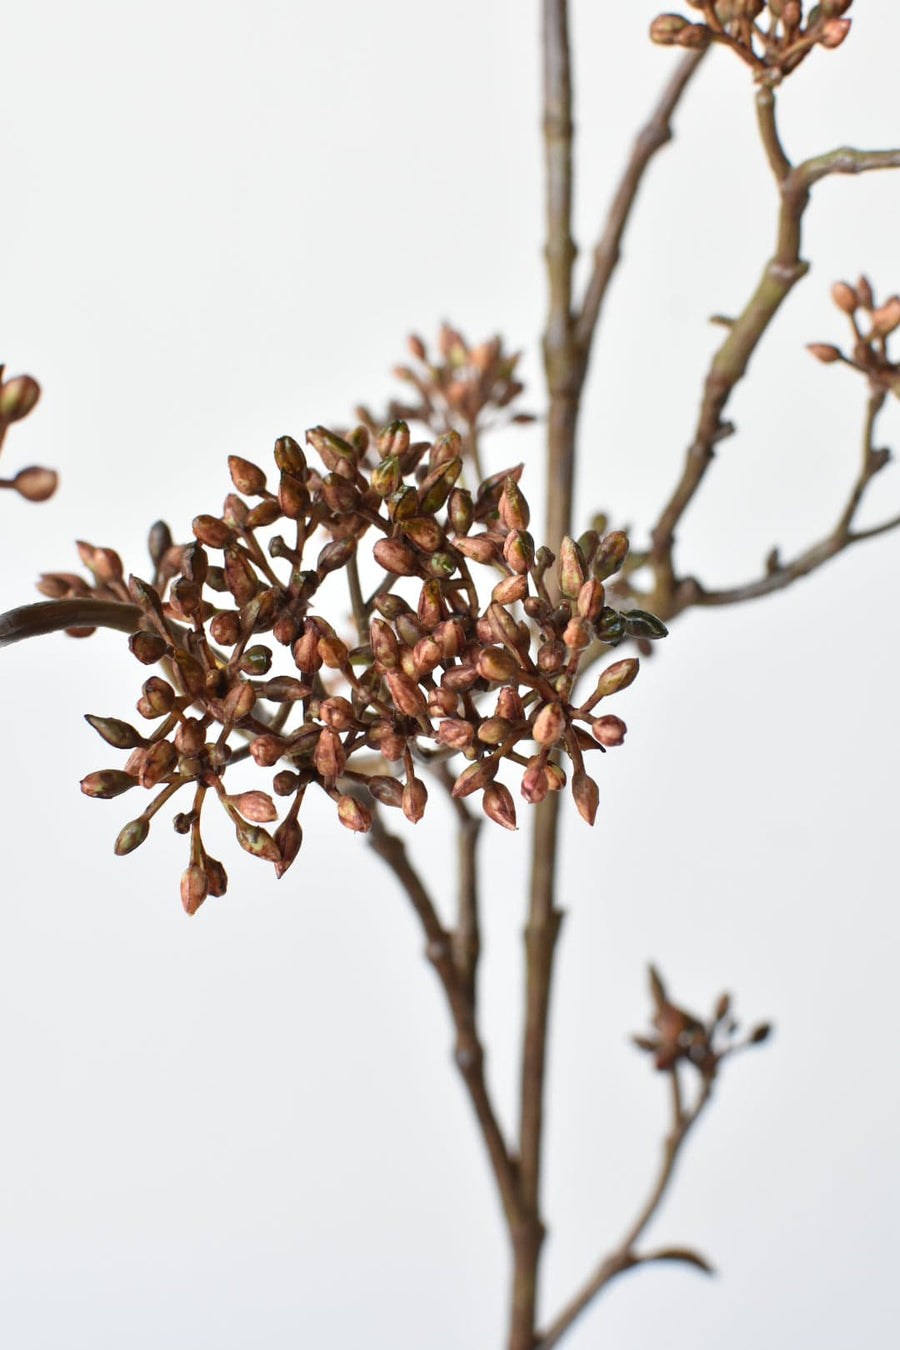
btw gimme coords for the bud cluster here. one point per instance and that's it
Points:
(17, 398)
(439, 675)
(868, 352)
(771, 36)
(680, 1037)
(469, 389)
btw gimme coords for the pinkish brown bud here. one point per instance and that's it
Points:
(255, 806)
(427, 656)
(833, 32)
(353, 815)
(549, 725)
(456, 733)
(493, 731)
(460, 511)
(239, 702)
(886, 318)
(293, 496)
(864, 292)
(337, 713)
(305, 650)
(498, 805)
(216, 877)
(518, 550)
(570, 568)
(824, 352)
(335, 654)
(617, 676)
(610, 555)
(406, 695)
(396, 557)
(478, 548)
(330, 756)
(577, 633)
(247, 477)
(845, 297)
(509, 705)
(194, 887)
(284, 689)
(513, 507)
(35, 484)
(510, 589)
(534, 781)
(586, 795)
(475, 777)
(666, 28)
(211, 531)
(255, 840)
(497, 665)
(590, 600)
(609, 730)
(267, 750)
(414, 800)
(425, 533)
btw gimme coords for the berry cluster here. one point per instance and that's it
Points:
(434, 670)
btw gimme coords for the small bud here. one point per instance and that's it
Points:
(549, 725)
(284, 689)
(610, 626)
(116, 733)
(641, 624)
(414, 800)
(266, 750)
(330, 756)
(864, 292)
(586, 795)
(824, 352)
(396, 557)
(147, 647)
(570, 568)
(475, 777)
(609, 730)
(35, 484)
(498, 805)
(393, 440)
(247, 477)
(760, 1033)
(886, 318)
(577, 634)
(194, 887)
(513, 507)
(425, 533)
(456, 733)
(386, 477)
(211, 531)
(611, 553)
(216, 877)
(289, 457)
(406, 695)
(158, 698)
(255, 806)
(833, 32)
(460, 511)
(107, 783)
(437, 486)
(665, 29)
(337, 713)
(17, 398)
(305, 650)
(288, 838)
(385, 789)
(617, 676)
(131, 836)
(510, 589)
(255, 840)
(845, 297)
(478, 548)
(353, 815)
(335, 654)
(590, 600)
(535, 785)
(497, 665)
(518, 550)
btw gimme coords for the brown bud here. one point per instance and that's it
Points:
(844, 297)
(493, 731)
(17, 398)
(256, 806)
(247, 477)
(460, 511)
(586, 795)
(498, 805)
(406, 695)
(617, 676)
(609, 730)
(335, 654)
(610, 555)
(396, 557)
(824, 352)
(424, 532)
(455, 732)
(535, 785)
(570, 568)
(289, 456)
(518, 550)
(107, 783)
(510, 589)
(864, 292)
(886, 318)
(257, 841)
(337, 713)
(393, 440)
(513, 507)
(288, 838)
(305, 650)
(266, 750)
(437, 486)
(666, 28)
(385, 789)
(131, 836)
(330, 757)
(147, 647)
(194, 887)
(414, 799)
(478, 548)
(211, 531)
(475, 777)
(497, 665)
(833, 32)
(293, 497)
(353, 815)
(116, 733)
(35, 484)
(577, 634)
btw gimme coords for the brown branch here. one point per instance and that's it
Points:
(468, 1052)
(466, 937)
(624, 1256)
(655, 133)
(730, 362)
(842, 536)
(55, 616)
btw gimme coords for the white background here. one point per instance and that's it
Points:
(219, 222)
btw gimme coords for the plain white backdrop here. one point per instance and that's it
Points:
(219, 222)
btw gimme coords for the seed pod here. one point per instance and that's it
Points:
(610, 626)
(641, 624)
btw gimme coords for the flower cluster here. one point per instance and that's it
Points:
(869, 348)
(463, 388)
(432, 672)
(17, 398)
(771, 36)
(680, 1037)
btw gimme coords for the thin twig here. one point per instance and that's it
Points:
(469, 1052)
(624, 1256)
(466, 936)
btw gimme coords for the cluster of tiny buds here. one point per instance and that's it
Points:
(17, 398)
(771, 36)
(460, 387)
(446, 672)
(868, 353)
(680, 1037)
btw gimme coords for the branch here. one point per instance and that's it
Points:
(466, 937)
(624, 1257)
(55, 616)
(729, 364)
(655, 133)
(842, 536)
(469, 1053)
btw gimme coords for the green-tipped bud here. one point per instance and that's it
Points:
(425, 533)
(254, 839)
(617, 676)
(386, 477)
(353, 815)
(107, 783)
(17, 398)
(570, 569)
(289, 457)
(611, 554)
(131, 836)
(393, 441)
(518, 550)
(437, 486)
(333, 450)
(118, 734)
(460, 510)
(610, 626)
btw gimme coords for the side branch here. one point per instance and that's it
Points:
(55, 616)
(624, 1257)
(655, 133)
(469, 1052)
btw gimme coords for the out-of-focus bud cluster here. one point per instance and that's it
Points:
(470, 646)
(871, 325)
(680, 1037)
(457, 388)
(17, 398)
(771, 36)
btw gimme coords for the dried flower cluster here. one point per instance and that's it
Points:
(440, 674)
(17, 398)
(869, 350)
(681, 1038)
(771, 36)
(463, 388)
